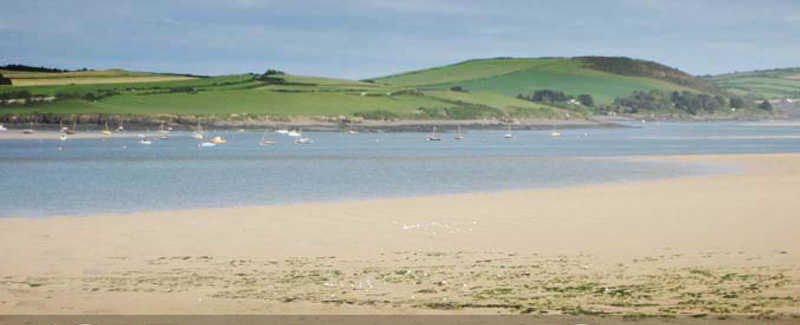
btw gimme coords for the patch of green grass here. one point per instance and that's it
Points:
(464, 71)
(567, 76)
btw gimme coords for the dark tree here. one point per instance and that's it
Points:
(586, 100)
(737, 102)
(765, 105)
(4, 80)
(458, 89)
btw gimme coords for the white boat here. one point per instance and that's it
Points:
(265, 141)
(282, 131)
(433, 136)
(29, 131)
(62, 137)
(3, 128)
(198, 134)
(459, 135)
(294, 133)
(145, 141)
(73, 130)
(509, 135)
(301, 140)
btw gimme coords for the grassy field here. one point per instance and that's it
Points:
(464, 71)
(524, 76)
(509, 105)
(24, 78)
(768, 84)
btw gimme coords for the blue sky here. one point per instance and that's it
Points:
(368, 38)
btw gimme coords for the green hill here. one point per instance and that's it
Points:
(475, 89)
(767, 84)
(278, 96)
(605, 78)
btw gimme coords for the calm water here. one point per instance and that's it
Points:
(94, 176)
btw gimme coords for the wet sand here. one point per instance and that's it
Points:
(712, 245)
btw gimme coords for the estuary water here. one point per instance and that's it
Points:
(121, 175)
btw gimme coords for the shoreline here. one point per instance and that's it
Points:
(543, 251)
(312, 125)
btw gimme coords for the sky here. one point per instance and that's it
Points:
(358, 39)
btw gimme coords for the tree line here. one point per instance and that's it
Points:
(556, 97)
(686, 101)
(4, 80)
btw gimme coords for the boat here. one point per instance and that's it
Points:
(120, 128)
(198, 134)
(555, 134)
(29, 131)
(62, 137)
(206, 144)
(433, 136)
(302, 140)
(293, 133)
(73, 130)
(509, 135)
(282, 131)
(106, 131)
(352, 130)
(218, 140)
(3, 128)
(145, 141)
(459, 135)
(265, 141)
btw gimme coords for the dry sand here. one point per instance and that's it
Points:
(717, 245)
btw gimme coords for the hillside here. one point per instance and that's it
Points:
(493, 89)
(605, 78)
(31, 78)
(281, 96)
(767, 84)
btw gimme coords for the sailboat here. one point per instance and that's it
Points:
(3, 128)
(198, 134)
(433, 136)
(352, 130)
(120, 128)
(301, 140)
(265, 141)
(509, 135)
(459, 135)
(74, 128)
(106, 131)
(294, 133)
(163, 134)
(29, 131)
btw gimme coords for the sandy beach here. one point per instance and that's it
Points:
(712, 245)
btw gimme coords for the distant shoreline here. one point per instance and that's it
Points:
(95, 123)
(311, 125)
